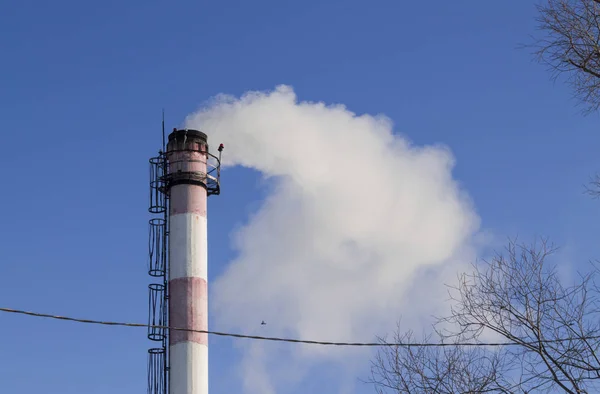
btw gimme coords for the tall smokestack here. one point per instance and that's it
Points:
(190, 180)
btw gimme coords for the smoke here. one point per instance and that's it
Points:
(360, 228)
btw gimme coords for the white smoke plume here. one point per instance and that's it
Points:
(360, 228)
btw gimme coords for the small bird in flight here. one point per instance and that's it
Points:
(263, 323)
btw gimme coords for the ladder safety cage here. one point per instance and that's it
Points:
(157, 184)
(156, 316)
(157, 262)
(158, 377)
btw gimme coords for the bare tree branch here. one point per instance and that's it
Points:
(593, 186)
(520, 297)
(570, 45)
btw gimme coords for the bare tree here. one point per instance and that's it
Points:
(447, 370)
(550, 331)
(570, 45)
(593, 187)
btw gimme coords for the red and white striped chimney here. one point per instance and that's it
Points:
(187, 155)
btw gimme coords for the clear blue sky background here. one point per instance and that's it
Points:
(82, 85)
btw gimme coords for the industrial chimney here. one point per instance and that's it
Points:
(182, 178)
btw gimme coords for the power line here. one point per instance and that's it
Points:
(291, 340)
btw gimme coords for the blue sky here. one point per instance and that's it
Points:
(83, 85)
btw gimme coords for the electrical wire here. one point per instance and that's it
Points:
(291, 340)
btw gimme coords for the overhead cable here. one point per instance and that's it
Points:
(292, 340)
